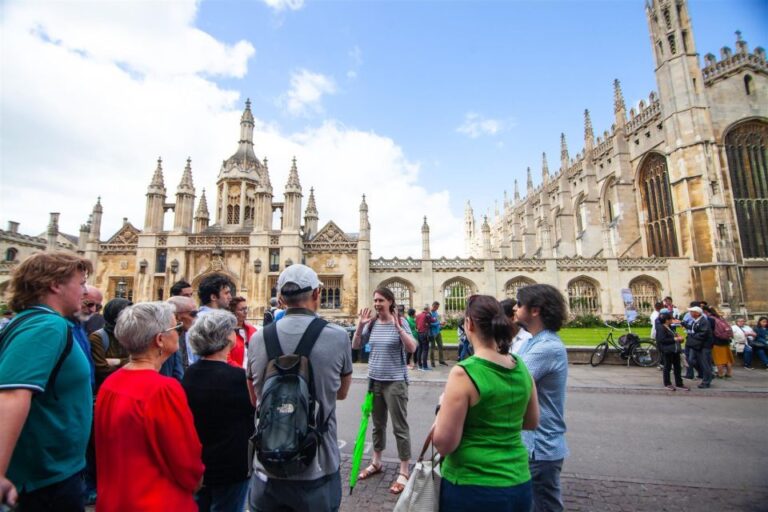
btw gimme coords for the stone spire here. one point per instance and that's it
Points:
(544, 169)
(486, 229)
(564, 158)
(310, 216)
(365, 226)
(266, 183)
(506, 200)
(157, 185)
(95, 231)
(53, 231)
(202, 216)
(517, 192)
(589, 135)
(530, 180)
(293, 184)
(425, 240)
(618, 97)
(186, 184)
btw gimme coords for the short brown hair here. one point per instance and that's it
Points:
(235, 302)
(33, 278)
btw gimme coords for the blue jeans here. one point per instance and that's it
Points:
(749, 352)
(321, 495)
(545, 475)
(459, 498)
(222, 498)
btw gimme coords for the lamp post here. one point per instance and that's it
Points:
(257, 265)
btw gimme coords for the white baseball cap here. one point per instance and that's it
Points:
(696, 309)
(300, 275)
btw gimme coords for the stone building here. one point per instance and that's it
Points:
(682, 180)
(672, 200)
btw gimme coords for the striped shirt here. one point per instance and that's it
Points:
(387, 359)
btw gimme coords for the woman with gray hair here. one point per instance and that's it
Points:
(148, 454)
(218, 396)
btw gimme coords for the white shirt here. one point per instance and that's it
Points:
(519, 341)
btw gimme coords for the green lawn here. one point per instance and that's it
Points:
(570, 335)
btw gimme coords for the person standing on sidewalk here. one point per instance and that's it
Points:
(700, 342)
(669, 345)
(318, 487)
(437, 338)
(423, 323)
(541, 310)
(390, 338)
(413, 359)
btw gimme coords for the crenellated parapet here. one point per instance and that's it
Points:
(731, 63)
(647, 114)
(395, 265)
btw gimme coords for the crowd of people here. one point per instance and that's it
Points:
(174, 406)
(704, 342)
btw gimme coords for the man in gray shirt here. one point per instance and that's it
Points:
(318, 488)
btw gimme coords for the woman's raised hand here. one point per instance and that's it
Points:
(365, 316)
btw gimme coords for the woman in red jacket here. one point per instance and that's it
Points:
(148, 454)
(243, 332)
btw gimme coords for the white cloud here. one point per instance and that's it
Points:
(83, 116)
(475, 125)
(306, 92)
(281, 5)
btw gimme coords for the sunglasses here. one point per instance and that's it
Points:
(179, 328)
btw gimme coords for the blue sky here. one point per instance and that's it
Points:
(421, 105)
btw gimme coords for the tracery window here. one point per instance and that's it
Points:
(583, 297)
(455, 295)
(514, 285)
(233, 205)
(747, 149)
(330, 292)
(250, 207)
(646, 293)
(401, 290)
(657, 199)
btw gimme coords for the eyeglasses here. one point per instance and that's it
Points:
(179, 328)
(90, 304)
(192, 313)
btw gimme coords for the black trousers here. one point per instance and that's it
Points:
(64, 496)
(672, 360)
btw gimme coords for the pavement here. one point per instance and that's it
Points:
(587, 492)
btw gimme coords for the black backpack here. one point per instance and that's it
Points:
(289, 433)
(5, 336)
(269, 317)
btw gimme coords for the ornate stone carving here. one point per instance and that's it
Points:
(331, 238)
(162, 240)
(643, 264)
(457, 265)
(520, 265)
(124, 241)
(209, 242)
(274, 241)
(579, 264)
(395, 265)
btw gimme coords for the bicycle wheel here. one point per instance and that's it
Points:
(646, 354)
(599, 354)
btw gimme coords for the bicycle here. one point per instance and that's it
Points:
(631, 348)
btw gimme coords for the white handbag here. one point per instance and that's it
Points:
(422, 492)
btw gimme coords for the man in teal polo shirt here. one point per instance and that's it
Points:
(45, 388)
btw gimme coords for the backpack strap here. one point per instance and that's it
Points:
(271, 342)
(104, 339)
(16, 322)
(310, 336)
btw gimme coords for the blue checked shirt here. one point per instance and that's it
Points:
(547, 362)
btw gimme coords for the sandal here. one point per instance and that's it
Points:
(368, 472)
(399, 484)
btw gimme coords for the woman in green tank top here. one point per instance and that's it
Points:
(489, 398)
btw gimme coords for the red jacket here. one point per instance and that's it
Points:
(237, 354)
(423, 322)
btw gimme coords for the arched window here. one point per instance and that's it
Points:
(233, 205)
(514, 285)
(583, 297)
(747, 149)
(646, 293)
(402, 291)
(657, 200)
(455, 295)
(10, 254)
(330, 293)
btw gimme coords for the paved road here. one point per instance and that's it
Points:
(675, 438)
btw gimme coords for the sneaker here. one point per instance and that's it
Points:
(688, 378)
(703, 386)
(443, 363)
(684, 388)
(748, 368)
(670, 388)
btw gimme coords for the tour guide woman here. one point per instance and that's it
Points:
(148, 455)
(389, 338)
(489, 398)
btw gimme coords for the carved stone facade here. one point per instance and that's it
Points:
(672, 200)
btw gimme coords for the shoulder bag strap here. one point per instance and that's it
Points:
(271, 342)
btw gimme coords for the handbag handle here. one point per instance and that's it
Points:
(427, 442)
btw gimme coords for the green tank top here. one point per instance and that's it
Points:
(491, 452)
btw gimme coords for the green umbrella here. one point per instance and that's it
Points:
(357, 454)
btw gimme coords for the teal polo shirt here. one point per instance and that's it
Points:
(52, 444)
